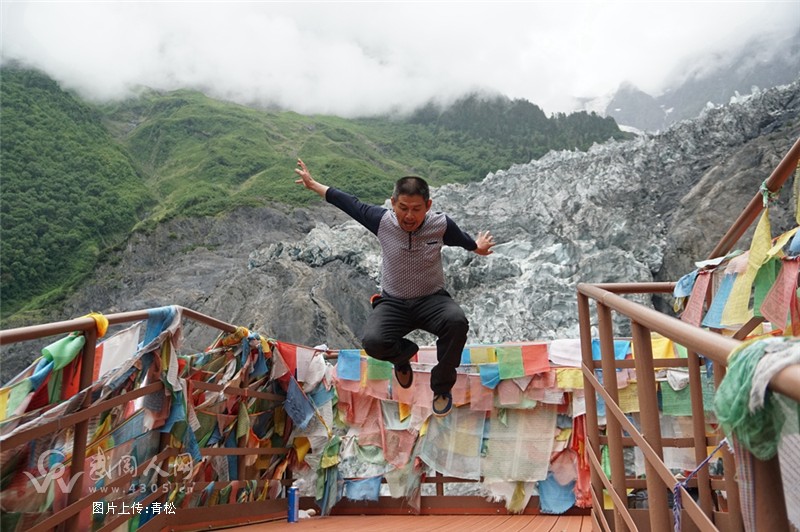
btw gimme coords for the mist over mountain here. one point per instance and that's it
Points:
(634, 210)
(711, 79)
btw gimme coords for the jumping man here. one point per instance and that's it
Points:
(413, 295)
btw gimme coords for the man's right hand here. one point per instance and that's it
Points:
(307, 181)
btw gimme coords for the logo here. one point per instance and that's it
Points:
(49, 474)
(50, 468)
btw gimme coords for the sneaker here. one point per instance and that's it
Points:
(442, 404)
(404, 375)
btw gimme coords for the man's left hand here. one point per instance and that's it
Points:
(485, 243)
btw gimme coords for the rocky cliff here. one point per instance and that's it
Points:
(638, 210)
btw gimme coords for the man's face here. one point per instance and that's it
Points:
(410, 211)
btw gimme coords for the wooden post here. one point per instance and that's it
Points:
(660, 515)
(592, 430)
(735, 521)
(699, 433)
(613, 425)
(82, 428)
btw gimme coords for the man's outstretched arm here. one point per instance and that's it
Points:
(307, 181)
(367, 215)
(454, 236)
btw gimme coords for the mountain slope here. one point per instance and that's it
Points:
(626, 211)
(68, 190)
(77, 177)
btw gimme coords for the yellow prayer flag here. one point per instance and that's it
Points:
(629, 398)
(301, 445)
(780, 242)
(608, 502)
(564, 435)
(405, 410)
(424, 428)
(737, 310)
(101, 323)
(482, 355)
(4, 393)
(661, 346)
(363, 369)
(569, 378)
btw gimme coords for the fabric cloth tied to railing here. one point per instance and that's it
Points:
(677, 506)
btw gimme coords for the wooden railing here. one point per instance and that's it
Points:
(68, 518)
(80, 500)
(771, 511)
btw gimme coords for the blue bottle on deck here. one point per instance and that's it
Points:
(293, 501)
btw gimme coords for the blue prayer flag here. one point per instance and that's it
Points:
(297, 406)
(348, 365)
(367, 489)
(490, 375)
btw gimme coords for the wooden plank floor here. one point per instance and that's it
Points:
(438, 523)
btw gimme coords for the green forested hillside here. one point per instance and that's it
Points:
(68, 189)
(202, 156)
(77, 177)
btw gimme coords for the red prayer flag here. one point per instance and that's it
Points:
(534, 358)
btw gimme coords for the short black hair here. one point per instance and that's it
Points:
(411, 185)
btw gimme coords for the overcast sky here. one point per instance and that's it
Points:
(362, 58)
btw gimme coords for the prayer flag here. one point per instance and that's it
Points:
(367, 489)
(481, 397)
(380, 370)
(490, 375)
(713, 318)
(629, 398)
(565, 352)
(482, 355)
(569, 378)
(765, 279)
(289, 354)
(510, 363)
(777, 303)
(684, 285)
(737, 310)
(676, 402)
(621, 349)
(112, 352)
(427, 355)
(298, 407)
(693, 314)
(662, 346)
(535, 358)
(555, 498)
(348, 365)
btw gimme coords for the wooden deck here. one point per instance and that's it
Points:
(438, 523)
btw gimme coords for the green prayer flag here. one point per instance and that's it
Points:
(243, 421)
(379, 370)
(765, 278)
(509, 361)
(18, 394)
(680, 351)
(675, 402)
(64, 351)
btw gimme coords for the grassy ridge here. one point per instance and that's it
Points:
(68, 190)
(77, 178)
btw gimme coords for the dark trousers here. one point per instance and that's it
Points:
(438, 314)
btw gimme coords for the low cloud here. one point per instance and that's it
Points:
(359, 59)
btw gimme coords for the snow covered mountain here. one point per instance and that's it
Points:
(710, 80)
